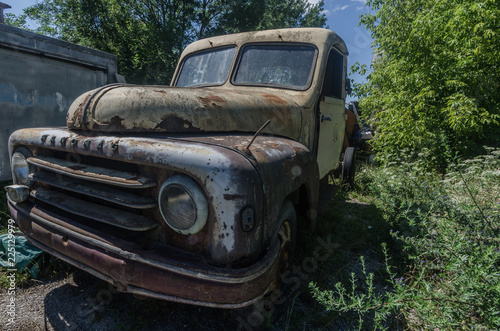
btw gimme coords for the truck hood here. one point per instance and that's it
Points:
(125, 108)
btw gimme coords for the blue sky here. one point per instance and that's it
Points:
(342, 17)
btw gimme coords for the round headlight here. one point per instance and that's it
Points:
(20, 167)
(183, 205)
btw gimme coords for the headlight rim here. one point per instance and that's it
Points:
(25, 153)
(198, 198)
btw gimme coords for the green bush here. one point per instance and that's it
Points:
(435, 83)
(443, 271)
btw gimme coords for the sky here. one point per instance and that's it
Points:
(342, 17)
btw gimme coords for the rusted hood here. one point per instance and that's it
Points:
(126, 108)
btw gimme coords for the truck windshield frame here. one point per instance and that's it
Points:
(207, 68)
(289, 66)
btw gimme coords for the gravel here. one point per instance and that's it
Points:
(61, 304)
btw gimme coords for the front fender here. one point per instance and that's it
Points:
(285, 166)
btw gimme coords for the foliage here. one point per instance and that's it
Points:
(436, 81)
(444, 272)
(16, 21)
(149, 35)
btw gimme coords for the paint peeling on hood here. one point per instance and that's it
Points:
(129, 108)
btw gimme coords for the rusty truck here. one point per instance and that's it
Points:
(192, 192)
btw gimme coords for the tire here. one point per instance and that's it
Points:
(268, 308)
(349, 166)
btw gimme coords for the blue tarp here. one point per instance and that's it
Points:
(27, 256)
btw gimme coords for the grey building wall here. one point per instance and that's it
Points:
(39, 79)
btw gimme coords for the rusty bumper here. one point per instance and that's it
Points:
(164, 273)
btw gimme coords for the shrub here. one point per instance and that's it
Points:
(446, 231)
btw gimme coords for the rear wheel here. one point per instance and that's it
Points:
(349, 166)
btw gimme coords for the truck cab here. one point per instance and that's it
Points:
(191, 192)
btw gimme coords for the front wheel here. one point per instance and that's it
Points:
(267, 308)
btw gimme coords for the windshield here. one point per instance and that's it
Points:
(207, 68)
(276, 65)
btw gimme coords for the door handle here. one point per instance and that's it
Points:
(325, 118)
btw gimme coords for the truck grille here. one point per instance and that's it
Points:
(94, 192)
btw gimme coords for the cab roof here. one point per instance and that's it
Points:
(321, 38)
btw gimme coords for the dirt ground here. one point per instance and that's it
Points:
(61, 304)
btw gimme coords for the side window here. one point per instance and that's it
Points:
(332, 86)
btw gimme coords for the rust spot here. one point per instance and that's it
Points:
(212, 98)
(258, 155)
(116, 123)
(274, 99)
(78, 112)
(212, 101)
(176, 124)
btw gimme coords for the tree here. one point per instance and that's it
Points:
(435, 87)
(16, 21)
(149, 35)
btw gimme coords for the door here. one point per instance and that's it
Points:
(332, 114)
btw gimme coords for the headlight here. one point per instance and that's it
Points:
(183, 204)
(20, 167)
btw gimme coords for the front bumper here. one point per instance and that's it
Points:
(164, 273)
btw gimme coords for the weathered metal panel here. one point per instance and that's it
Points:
(39, 79)
(331, 134)
(174, 109)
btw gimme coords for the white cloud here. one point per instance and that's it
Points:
(338, 8)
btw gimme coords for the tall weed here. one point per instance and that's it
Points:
(443, 263)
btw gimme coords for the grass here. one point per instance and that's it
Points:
(357, 227)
